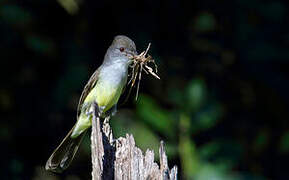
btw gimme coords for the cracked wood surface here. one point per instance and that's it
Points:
(120, 159)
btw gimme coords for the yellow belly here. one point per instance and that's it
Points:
(105, 95)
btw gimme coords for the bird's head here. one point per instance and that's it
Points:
(122, 47)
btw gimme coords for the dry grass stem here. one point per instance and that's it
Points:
(141, 63)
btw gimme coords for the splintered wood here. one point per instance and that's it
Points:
(141, 63)
(121, 159)
(131, 163)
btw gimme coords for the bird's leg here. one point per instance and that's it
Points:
(95, 109)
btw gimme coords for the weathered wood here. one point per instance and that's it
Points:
(120, 159)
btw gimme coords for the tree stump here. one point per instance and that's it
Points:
(120, 159)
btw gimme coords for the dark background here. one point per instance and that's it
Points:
(221, 105)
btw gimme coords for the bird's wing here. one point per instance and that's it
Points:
(87, 88)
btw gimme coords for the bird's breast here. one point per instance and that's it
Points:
(109, 86)
(115, 74)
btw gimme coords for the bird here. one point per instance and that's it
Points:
(104, 88)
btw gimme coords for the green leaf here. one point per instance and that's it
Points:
(205, 22)
(284, 143)
(155, 116)
(40, 44)
(189, 157)
(126, 123)
(209, 150)
(213, 172)
(225, 153)
(15, 15)
(196, 95)
(261, 140)
(207, 118)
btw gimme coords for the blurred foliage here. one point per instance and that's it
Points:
(284, 143)
(159, 119)
(221, 105)
(71, 6)
(15, 15)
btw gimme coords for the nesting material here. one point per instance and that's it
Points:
(139, 64)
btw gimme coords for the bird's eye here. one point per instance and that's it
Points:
(121, 49)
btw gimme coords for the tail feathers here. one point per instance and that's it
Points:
(62, 156)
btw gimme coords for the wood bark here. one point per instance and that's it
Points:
(120, 159)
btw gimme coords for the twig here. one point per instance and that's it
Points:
(139, 64)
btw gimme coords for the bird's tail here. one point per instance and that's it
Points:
(64, 153)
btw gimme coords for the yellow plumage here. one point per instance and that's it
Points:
(106, 94)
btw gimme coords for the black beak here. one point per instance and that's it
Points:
(132, 53)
